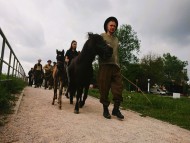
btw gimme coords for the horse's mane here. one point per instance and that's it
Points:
(85, 50)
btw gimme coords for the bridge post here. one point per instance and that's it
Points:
(2, 55)
(10, 56)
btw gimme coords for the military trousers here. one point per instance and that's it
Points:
(109, 78)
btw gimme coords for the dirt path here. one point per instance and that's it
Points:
(37, 121)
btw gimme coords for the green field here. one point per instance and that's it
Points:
(165, 108)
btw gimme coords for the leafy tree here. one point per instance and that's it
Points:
(95, 72)
(167, 70)
(153, 68)
(175, 74)
(174, 68)
(134, 73)
(128, 45)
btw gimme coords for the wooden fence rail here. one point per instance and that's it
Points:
(11, 61)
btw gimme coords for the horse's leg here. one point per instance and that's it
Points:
(80, 98)
(67, 92)
(60, 94)
(85, 95)
(55, 90)
(65, 87)
(72, 91)
(79, 95)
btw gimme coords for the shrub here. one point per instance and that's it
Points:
(7, 90)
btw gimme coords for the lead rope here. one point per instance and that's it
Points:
(137, 88)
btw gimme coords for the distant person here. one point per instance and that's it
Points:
(48, 68)
(38, 73)
(70, 54)
(54, 64)
(109, 72)
(31, 77)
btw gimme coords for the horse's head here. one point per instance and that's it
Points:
(60, 55)
(101, 47)
(60, 59)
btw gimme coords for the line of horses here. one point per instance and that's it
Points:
(80, 71)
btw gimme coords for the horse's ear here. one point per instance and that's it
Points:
(90, 34)
(63, 51)
(56, 51)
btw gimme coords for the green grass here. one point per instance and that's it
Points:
(7, 91)
(174, 111)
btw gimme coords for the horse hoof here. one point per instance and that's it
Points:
(60, 107)
(67, 96)
(81, 104)
(76, 111)
(52, 103)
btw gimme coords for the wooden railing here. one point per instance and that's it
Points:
(10, 63)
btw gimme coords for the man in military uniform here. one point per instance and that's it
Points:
(109, 72)
(38, 73)
(31, 77)
(48, 68)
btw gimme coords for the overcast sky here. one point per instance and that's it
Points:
(36, 28)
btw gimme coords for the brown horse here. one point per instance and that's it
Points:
(80, 69)
(59, 76)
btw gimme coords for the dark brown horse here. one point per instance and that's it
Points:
(80, 69)
(59, 76)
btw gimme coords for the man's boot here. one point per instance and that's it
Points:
(71, 99)
(106, 113)
(116, 111)
(66, 94)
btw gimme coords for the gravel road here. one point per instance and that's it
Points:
(37, 121)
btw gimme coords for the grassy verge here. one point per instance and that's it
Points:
(8, 89)
(174, 111)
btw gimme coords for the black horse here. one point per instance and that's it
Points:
(59, 76)
(81, 70)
